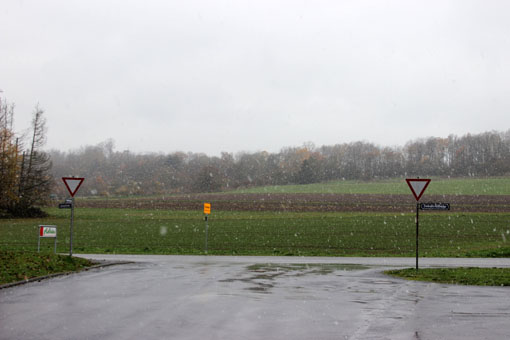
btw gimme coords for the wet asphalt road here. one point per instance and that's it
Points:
(172, 297)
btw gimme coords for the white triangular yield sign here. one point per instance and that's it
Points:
(418, 186)
(73, 184)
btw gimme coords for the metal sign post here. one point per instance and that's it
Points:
(417, 231)
(206, 232)
(427, 206)
(207, 211)
(72, 185)
(72, 223)
(417, 186)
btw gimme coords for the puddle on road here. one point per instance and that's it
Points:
(301, 269)
(262, 277)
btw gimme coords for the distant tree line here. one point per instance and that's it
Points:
(110, 172)
(25, 178)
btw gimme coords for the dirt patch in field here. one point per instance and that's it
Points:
(305, 202)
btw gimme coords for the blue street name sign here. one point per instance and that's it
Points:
(434, 206)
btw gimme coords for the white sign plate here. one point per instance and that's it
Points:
(47, 231)
(417, 186)
(73, 184)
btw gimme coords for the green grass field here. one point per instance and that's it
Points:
(266, 233)
(282, 233)
(438, 186)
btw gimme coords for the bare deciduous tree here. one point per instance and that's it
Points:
(26, 178)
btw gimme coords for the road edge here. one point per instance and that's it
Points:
(49, 276)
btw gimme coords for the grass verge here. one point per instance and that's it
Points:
(18, 266)
(463, 275)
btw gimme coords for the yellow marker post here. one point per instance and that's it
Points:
(207, 211)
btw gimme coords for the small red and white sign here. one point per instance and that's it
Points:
(73, 184)
(417, 186)
(47, 231)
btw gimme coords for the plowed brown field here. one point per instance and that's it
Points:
(305, 202)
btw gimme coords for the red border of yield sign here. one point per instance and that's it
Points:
(65, 179)
(417, 195)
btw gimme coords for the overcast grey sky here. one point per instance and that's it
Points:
(211, 76)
